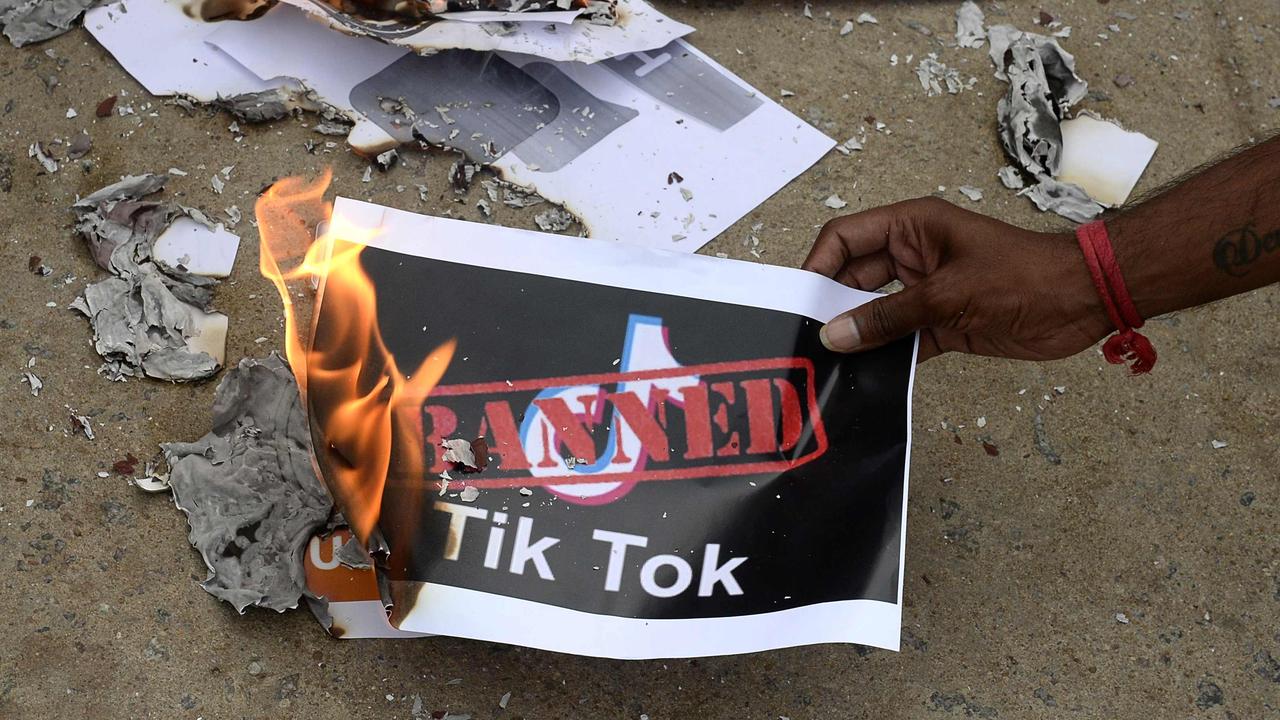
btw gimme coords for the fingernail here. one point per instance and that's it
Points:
(840, 335)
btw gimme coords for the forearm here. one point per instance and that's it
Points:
(1215, 235)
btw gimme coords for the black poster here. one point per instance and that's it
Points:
(672, 463)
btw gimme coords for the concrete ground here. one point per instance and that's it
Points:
(1140, 577)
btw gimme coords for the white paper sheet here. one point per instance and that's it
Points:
(199, 249)
(639, 27)
(622, 128)
(164, 50)
(285, 43)
(1103, 158)
(208, 334)
(608, 141)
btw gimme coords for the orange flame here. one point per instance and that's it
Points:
(349, 381)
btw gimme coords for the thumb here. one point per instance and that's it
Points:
(879, 322)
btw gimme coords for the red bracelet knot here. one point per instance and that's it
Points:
(1127, 345)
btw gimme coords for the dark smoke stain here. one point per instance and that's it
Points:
(404, 596)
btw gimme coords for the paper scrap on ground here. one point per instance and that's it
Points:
(249, 490)
(1010, 177)
(197, 248)
(934, 76)
(1068, 200)
(565, 130)
(970, 32)
(152, 317)
(1043, 85)
(1103, 158)
(639, 26)
(642, 489)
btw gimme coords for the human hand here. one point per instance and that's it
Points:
(973, 284)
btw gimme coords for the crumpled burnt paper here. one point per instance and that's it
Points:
(585, 32)
(31, 21)
(1080, 165)
(249, 489)
(148, 318)
(969, 30)
(934, 76)
(1068, 200)
(1043, 84)
(276, 103)
(353, 555)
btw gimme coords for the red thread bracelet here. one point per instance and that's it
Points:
(1127, 345)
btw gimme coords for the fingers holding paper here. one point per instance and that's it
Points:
(971, 283)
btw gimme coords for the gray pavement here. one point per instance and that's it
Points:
(1140, 577)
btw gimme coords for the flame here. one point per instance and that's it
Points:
(349, 381)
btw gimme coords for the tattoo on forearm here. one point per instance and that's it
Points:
(1239, 250)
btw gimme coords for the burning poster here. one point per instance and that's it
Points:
(597, 448)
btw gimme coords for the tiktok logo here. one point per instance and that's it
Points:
(590, 439)
(646, 348)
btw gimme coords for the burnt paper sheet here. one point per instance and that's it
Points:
(601, 140)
